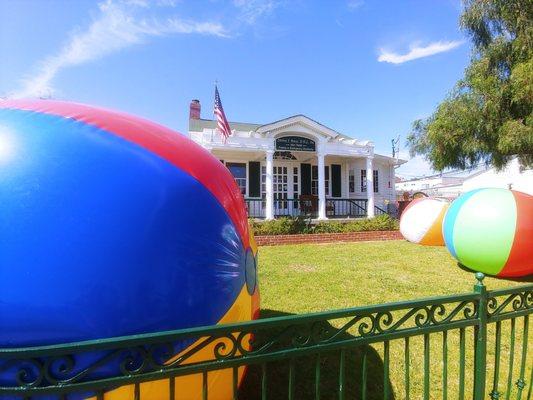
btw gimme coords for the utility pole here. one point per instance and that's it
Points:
(395, 146)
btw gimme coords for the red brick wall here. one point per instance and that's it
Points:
(272, 240)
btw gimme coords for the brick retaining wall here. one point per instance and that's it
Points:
(272, 240)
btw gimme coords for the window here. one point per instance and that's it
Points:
(280, 180)
(314, 180)
(375, 182)
(238, 170)
(351, 181)
(295, 182)
(295, 185)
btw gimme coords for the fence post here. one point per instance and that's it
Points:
(480, 355)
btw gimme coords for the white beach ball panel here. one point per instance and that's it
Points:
(417, 219)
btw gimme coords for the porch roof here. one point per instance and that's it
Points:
(250, 137)
(198, 125)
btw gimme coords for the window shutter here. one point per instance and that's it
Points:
(305, 171)
(254, 172)
(336, 180)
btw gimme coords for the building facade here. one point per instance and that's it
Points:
(299, 167)
(452, 184)
(512, 176)
(445, 185)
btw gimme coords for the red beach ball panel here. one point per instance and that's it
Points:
(520, 261)
(166, 143)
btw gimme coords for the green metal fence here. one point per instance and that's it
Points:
(475, 345)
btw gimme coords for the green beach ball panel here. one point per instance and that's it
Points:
(484, 230)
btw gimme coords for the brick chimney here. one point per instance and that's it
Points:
(194, 109)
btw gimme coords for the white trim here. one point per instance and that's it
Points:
(298, 122)
(370, 187)
(269, 211)
(321, 186)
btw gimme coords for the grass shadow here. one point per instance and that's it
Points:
(526, 279)
(304, 377)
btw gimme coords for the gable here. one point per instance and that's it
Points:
(298, 124)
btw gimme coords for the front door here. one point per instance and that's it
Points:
(286, 185)
(280, 180)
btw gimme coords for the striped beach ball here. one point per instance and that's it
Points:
(491, 231)
(113, 225)
(421, 221)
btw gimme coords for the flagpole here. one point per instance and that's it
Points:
(214, 117)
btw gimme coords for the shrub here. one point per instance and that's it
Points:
(289, 226)
(329, 227)
(281, 226)
(254, 225)
(380, 223)
(384, 222)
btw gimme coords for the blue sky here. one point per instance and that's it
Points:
(364, 68)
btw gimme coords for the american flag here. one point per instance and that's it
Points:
(222, 122)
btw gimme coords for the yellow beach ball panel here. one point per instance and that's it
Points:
(219, 385)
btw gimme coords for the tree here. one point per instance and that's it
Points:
(488, 116)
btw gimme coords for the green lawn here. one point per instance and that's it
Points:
(298, 279)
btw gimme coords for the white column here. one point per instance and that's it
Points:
(369, 187)
(321, 188)
(269, 211)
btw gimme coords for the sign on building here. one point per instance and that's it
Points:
(295, 143)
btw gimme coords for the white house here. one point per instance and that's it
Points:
(446, 184)
(297, 166)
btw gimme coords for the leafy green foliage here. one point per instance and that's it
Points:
(488, 117)
(281, 226)
(330, 227)
(288, 226)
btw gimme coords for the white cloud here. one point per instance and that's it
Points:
(354, 4)
(416, 51)
(119, 24)
(251, 10)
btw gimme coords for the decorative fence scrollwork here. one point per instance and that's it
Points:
(505, 302)
(100, 365)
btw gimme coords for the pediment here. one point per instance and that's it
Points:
(298, 124)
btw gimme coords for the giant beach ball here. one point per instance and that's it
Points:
(112, 225)
(421, 221)
(491, 231)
